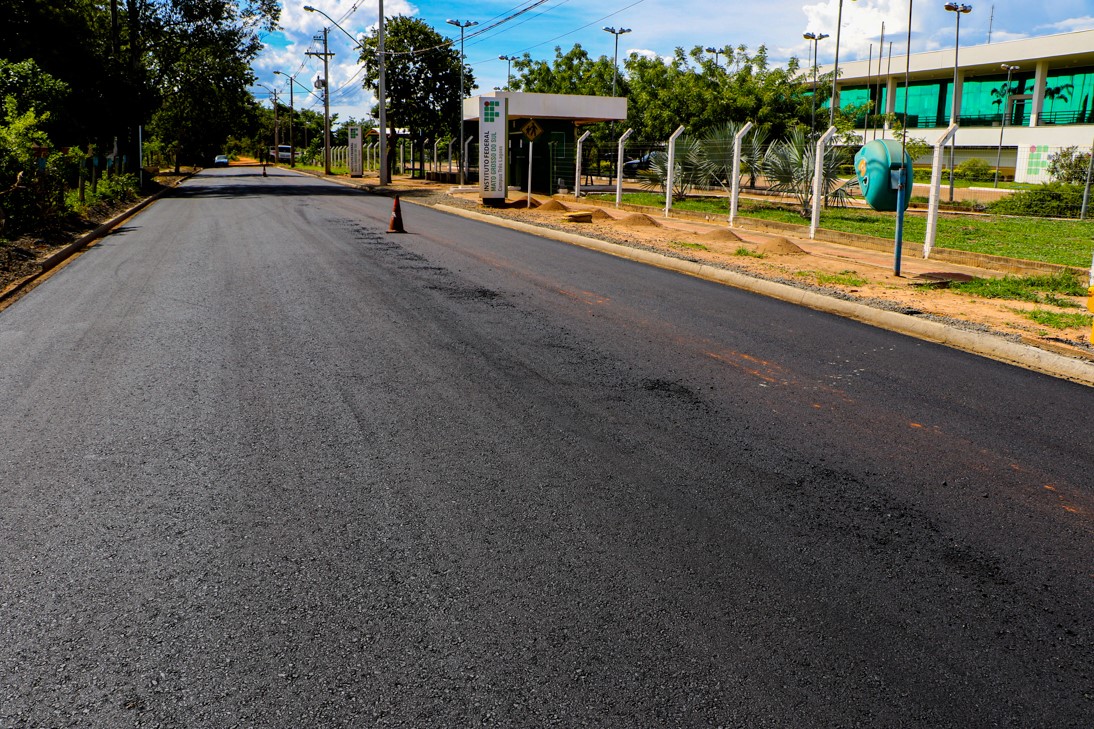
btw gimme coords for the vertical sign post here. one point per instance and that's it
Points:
(355, 159)
(493, 143)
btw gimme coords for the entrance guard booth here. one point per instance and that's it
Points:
(546, 124)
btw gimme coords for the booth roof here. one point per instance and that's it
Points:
(578, 109)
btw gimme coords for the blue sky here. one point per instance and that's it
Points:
(657, 27)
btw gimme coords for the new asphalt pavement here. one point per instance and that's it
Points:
(264, 464)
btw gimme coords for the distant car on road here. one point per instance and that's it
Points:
(221, 160)
(631, 168)
(282, 153)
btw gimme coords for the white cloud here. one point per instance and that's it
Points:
(1069, 25)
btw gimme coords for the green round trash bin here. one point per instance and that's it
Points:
(879, 169)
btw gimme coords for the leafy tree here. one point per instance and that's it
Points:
(31, 87)
(1069, 166)
(127, 59)
(28, 194)
(422, 80)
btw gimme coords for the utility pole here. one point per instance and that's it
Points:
(325, 55)
(462, 25)
(292, 113)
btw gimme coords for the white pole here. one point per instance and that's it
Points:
(436, 165)
(577, 165)
(936, 181)
(735, 190)
(619, 168)
(529, 175)
(450, 155)
(818, 180)
(672, 168)
(402, 156)
(463, 159)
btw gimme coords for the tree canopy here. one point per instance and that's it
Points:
(686, 88)
(127, 63)
(422, 77)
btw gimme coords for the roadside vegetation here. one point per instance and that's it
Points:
(1064, 242)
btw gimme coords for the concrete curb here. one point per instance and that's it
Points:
(58, 257)
(986, 345)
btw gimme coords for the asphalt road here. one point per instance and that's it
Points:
(263, 464)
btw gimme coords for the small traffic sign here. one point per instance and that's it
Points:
(531, 130)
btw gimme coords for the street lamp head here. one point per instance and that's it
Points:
(821, 36)
(1008, 68)
(809, 36)
(615, 31)
(958, 8)
(462, 23)
(309, 8)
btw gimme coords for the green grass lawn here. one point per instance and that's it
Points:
(1066, 242)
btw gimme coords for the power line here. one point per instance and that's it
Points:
(516, 25)
(575, 30)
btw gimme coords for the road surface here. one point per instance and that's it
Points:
(264, 464)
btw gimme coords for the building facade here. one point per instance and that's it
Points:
(1048, 105)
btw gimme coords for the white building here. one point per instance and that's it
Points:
(1049, 103)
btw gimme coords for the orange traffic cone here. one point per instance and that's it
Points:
(396, 225)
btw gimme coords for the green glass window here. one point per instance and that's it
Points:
(859, 96)
(984, 100)
(928, 103)
(1068, 96)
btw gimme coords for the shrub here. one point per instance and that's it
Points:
(1069, 166)
(1050, 200)
(975, 170)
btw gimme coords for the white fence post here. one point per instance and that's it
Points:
(619, 168)
(577, 165)
(818, 180)
(436, 162)
(936, 181)
(465, 156)
(672, 168)
(735, 185)
(450, 156)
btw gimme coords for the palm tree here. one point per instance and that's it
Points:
(789, 166)
(717, 148)
(689, 168)
(1001, 95)
(1061, 92)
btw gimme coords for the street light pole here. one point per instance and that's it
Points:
(462, 25)
(508, 72)
(715, 51)
(615, 63)
(615, 79)
(816, 38)
(1006, 109)
(958, 9)
(835, 69)
(277, 146)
